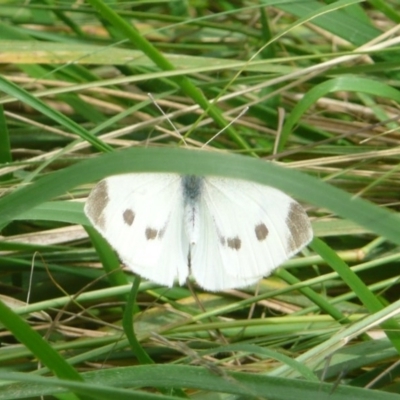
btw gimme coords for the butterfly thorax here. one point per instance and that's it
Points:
(192, 187)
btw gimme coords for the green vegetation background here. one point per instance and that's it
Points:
(321, 83)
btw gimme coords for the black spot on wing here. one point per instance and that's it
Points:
(261, 232)
(128, 216)
(234, 243)
(151, 234)
(154, 233)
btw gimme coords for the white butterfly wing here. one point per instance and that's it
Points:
(141, 216)
(247, 231)
(208, 261)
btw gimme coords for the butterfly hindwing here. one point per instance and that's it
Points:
(140, 215)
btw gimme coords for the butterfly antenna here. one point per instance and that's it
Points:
(244, 111)
(166, 117)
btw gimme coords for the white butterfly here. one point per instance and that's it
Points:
(227, 233)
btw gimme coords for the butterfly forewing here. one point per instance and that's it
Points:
(141, 216)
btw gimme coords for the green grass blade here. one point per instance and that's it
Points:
(370, 301)
(108, 258)
(5, 149)
(249, 385)
(25, 97)
(186, 85)
(35, 343)
(345, 83)
(130, 309)
(322, 303)
(374, 218)
(338, 22)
